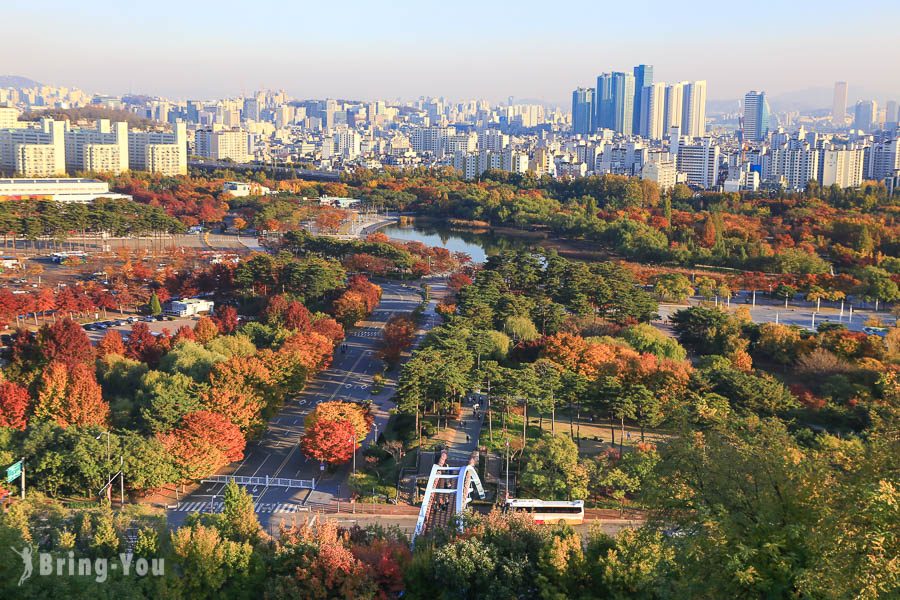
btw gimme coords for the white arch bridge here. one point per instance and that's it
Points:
(448, 494)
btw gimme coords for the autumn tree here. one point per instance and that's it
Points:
(203, 443)
(329, 442)
(65, 341)
(111, 343)
(226, 319)
(359, 418)
(14, 404)
(70, 396)
(397, 336)
(205, 330)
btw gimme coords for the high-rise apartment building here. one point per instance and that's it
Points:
(652, 111)
(103, 149)
(614, 101)
(674, 108)
(36, 150)
(9, 117)
(229, 144)
(583, 111)
(864, 116)
(839, 105)
(794, 163)
(842, 167)
(159, 151)
(700, 162)
(693, 120)
(756, 116)
(643, 77)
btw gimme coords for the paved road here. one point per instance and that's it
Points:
(277, 454)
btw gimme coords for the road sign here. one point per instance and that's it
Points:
(13, 471)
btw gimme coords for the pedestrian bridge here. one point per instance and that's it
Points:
(267, 481)
(447, 495)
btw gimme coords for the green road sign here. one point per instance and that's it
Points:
(13, 471)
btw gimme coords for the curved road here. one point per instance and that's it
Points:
(277, 453)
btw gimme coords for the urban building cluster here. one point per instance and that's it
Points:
(629, 124)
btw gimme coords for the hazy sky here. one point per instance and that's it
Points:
(457, 48)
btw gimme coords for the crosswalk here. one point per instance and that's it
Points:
(216, 507)
(368, 332)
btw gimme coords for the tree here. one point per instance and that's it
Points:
(779, 343)
(356, 415)
(397, 336)
(226, 319)
(552, 470)
(673, 287)
(111, 343)
(879, 286)
(205, 330)
(239, 521)
(65, 342)
(520, 329)
(14, 403)
(646, 338)
(163, 398)
(329, 442)
(216, 565)
(203, 443)
(154, 305)
(70, 396)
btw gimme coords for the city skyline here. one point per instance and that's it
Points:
(475, 50)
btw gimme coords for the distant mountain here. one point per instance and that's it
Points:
(17, 81)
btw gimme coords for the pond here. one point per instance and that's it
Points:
(477, 244)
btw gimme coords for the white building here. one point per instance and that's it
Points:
(674, 106)
(240, 189)
(59, 190)
(661, 169)
(230, 144)
(36, 150)
(188, 307)
(693, 120)
(103, 149)
(700, 162)
(159, 151)
(842, 167)
(795, 164)
(652, 111)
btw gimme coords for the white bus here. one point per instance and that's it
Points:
(551, 512)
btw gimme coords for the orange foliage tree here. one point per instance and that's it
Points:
(204, 443)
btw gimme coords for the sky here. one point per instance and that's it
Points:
(202, 49)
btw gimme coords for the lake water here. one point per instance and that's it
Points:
(478, 245)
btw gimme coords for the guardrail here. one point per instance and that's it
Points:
(308, 484)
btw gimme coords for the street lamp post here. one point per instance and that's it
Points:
(507, 468)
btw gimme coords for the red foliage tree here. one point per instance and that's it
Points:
(226, 319)
(332, 442)
(204, 443)
(141, 345)
(329, 328)
(14, 403)
(205, 330)
(66, 342)
(111, 343)
(398, 335)
(296, 316)
(183, 333)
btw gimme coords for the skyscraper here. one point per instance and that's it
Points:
(643, 77)
(651, 115)
(693, 120)
(864, 115)
(756, 116)
(674, 105)
(623, 102)
(839, 106)
(582, 111)
(614, 99)
(890, 114)
(603, 102)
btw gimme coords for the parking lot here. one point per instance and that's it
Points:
(123, 325)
